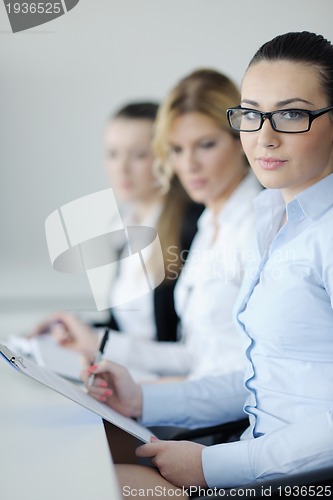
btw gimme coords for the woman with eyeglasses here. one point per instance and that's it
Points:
(286, 305)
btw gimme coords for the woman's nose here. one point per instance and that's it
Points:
(268, 137)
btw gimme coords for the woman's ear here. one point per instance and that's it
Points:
(163, 174)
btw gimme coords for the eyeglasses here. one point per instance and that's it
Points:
(289, 121)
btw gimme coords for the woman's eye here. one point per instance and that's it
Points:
(250, 115)
(112, 155)
(140, 155)
(175, 150)
(208, 144)
(293, 114)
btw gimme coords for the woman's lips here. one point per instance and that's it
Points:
(196, 183)
(268, 163)
(125, 185)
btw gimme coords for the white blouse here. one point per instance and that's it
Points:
(204, 298)
(208, 286)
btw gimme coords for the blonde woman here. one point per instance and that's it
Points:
(193, 140)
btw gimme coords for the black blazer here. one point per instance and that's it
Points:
(166, 319)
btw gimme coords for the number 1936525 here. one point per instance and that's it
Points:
(34, 8)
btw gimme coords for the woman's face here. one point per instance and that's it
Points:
(208, 160)
(291, 162)
(129, 160)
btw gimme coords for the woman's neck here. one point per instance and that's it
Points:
(143, 208)
(218, 203)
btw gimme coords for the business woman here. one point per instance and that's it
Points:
(285, 119)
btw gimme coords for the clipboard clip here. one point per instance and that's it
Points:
(16, 361)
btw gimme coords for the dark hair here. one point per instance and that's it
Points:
(137, 111)
(304, 47)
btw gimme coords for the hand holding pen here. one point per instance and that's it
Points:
(115, 387)
(99, 354)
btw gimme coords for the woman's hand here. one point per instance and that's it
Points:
(69, 332)
(113, 385)
(178, 461)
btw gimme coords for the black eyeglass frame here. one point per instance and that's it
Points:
(263, 116)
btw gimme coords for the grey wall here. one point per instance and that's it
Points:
(60, 80)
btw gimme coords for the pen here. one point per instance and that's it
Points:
(99, 354)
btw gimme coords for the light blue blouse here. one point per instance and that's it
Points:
(286, 315)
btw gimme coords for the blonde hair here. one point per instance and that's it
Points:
(203, 91)
(169, 226)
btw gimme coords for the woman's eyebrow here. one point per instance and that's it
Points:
(285, 102)
(292, 100)
(204, 137)
(248, 101)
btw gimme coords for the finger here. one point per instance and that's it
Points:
(98, 387)
(60, 334)
(87, 374)
(38, 330)
(70, 321)
(100, 394)
(95, 379)
(147, 450)
(99, 397)
(86, 361)
(117, 372)
(107, 370)
(104, 366)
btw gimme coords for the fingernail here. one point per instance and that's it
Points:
(153, 438)
(108, 392)
(92, 368)
(102, 383)
(102, 398)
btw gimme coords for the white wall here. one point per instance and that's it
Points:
(60, 80)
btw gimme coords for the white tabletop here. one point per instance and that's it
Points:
(50, 447)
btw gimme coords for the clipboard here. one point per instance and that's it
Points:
(75, 393)
(15, 361)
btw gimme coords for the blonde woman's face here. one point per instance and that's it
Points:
(206, 158)
(291, 162)
(129, 160)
